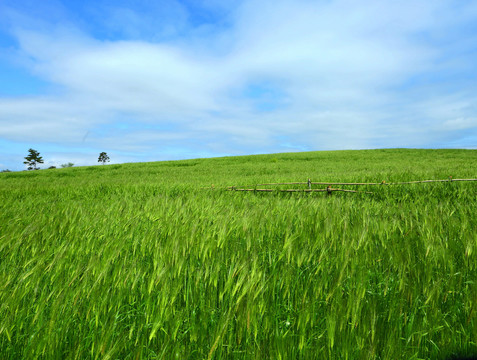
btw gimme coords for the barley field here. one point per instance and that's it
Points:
(159, 261)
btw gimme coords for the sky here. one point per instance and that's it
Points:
(177, 79)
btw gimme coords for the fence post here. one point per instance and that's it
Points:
(309, 184)
(329, 190)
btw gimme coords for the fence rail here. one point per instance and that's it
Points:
(329, 189)
(450, 179)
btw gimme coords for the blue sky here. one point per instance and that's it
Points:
(170, 79)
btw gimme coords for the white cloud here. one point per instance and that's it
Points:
(352, 75)
(461, 123)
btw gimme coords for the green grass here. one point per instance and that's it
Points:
(136, 261)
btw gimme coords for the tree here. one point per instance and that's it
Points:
(70, 164)
(33, 159)
(103, 157)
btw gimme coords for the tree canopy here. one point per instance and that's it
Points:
(33, 159)
(103, 158)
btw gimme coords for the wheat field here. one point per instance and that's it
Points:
(159, 261)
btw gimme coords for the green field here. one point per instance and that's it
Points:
(138, 261)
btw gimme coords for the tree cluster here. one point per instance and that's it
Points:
(34, 159)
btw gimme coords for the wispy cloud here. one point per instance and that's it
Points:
(246, 77)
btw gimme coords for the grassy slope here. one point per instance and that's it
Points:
(136, 260)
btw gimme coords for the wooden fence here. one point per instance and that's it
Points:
(329, 189)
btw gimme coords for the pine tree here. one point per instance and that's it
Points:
(33, 159)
